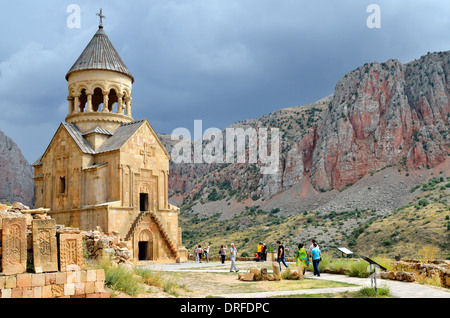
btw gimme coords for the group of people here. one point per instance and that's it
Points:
(261, 253)
(302, 255)
(200, 253)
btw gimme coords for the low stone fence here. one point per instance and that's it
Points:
(40, 259)
(409, 270)
(76, 284)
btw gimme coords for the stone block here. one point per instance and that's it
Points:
(90, 287)
(99, 287)
(105, 294)
(2, 282)
(38, 280)
(16, 292)
(100, 275)
(70, 251)
(80, 288)
(37, 292)
(50, 278)
(58, 290)
(10, 282)
(61, 278)
(248, 277)
(6, 293)
(91, 275)
(27, 292)
(82, 277)
(91, 295)
(14, 246)
(391, 275)
(23, 280)
(47, 291)
(78, 296)
(71, 277)
(69, 289)
(45, 248)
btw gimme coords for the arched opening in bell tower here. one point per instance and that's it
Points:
(97, 99)
(83, 101)
(112, 99)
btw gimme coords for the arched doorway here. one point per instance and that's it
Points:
(145, 245)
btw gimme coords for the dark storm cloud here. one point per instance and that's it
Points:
(221, 61)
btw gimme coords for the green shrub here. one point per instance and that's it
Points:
(371, 292)
(359, 269)
(121, 278)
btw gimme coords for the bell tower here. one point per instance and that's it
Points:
(99, 87)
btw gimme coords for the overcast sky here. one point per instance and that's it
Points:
(220, 61)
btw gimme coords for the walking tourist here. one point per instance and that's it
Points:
(301, 257)
(223, 253)
(196, 253)
(280, 255)
(315, 254)
(233, 254)
(264, 252)
(207, 252)
(199, 252)
(311, 247)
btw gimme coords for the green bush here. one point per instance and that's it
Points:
(371, 292)
(121, 278)
(359, 269)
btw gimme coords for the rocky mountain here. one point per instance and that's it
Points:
(16, 174)
(383, 130)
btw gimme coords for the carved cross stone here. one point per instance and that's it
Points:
(148, 151)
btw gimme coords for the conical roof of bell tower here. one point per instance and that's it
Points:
(100, 54)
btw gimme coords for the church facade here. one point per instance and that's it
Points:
(102, 167)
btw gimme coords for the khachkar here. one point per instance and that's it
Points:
(71, 251)
(102, 167)
(45, 248)
(14, 246)
(51, 251)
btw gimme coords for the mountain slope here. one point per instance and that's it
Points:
(16, 174)
(384, 130)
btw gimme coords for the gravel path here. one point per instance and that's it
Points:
(397, 289)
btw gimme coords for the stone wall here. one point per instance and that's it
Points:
(75, 284)
(409, 270)
(40, 259)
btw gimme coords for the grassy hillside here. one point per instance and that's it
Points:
(425, 221)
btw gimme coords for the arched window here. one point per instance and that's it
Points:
(112, 99)
(97, 99)
(83, 100)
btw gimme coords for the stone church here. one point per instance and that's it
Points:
(102, 167)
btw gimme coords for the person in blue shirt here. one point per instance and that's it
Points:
(315, 254)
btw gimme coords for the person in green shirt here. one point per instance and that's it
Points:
(301, 257)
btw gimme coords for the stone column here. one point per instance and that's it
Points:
(70, 99)
(120, 104)
(105, 102)
(76, 106)
(89, 102)
(128, 110)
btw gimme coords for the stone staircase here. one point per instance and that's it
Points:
(165, 236)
